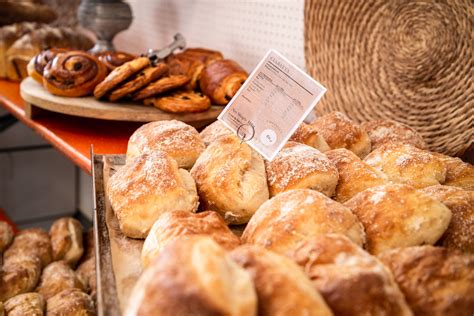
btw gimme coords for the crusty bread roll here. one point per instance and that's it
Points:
(296, 215)
(458, 173)
(282, 287)
(436, 281)
(351, 281)
(460, 232)
(354, 175)
(230, 178)
(19, 274)
(213, 132)
(193, 275)
(66, 240)
(308, 134)
(56, 277)
(2, 310)
(404, 163)
(34, 242)
(6, 237)
(299, 166)
(179, 140)
(341, 132)
(85, 272)
(386, 131)
(398, 215)
(172, 225)
(145, 188)
(31, 304)
(70, 302)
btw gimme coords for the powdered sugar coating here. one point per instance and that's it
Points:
(213, 132)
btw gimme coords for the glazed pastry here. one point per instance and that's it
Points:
(66, 240)
(458, 173)
(143, 78)
(31, 304)
(19, 274)
(6, 237)
(73, 74)
(385, 131)
(202, 54)
(56, 277)
(37, 64)
(213, 132)
(32, 242)
(307, 134)
(120, 74)
(70, 302)
(181, 102)
(221, 79)
(112, 60)
(161, 85)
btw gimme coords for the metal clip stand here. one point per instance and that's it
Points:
(156, 55)
(245, 132)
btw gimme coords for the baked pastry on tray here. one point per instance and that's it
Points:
(37, 64)
(161, 85)
(25, 304)
(113, 60)
(181, 102)
(70, 302)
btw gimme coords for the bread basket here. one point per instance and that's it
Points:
(410, 61)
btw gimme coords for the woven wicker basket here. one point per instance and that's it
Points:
(406, 60)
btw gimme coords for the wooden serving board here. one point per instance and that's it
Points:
(37, 98)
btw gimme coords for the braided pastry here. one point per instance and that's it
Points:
(161, 85)
(181, 102)
(73, 74)
(36, 65)
(113, 60)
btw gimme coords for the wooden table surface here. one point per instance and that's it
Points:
(71, 135)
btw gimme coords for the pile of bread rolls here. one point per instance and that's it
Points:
(47, 273)
(348, 219)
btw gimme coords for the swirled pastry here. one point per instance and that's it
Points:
(181, 102)
(161, 85)
(73, 74)
(37, 64)
(113, 60)
(31, 304)
(386, 131)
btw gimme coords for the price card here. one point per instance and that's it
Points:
(271, 104)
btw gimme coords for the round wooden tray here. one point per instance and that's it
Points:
(37, 97)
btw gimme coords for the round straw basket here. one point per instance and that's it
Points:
(406, 60)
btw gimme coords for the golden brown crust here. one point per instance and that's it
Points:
(213, 132)
(112, 60)
(179, 140)
(436, 281)
(308, 134)
(203, 54)
(32, 242)
(19, 274)
(351, 281)
(297, 215)
(70, 302)
(193, 276)
(458, 173)
(172, 225)
(56, 277)
(298, 166)
(6, 236)
(120, 74)
(354, 175)
(31, 304)
(460, 232)
(387, 131)
(398, 215)
(160, 86)
(341, 132)
(37, 64)
(282, 288)
(404, 163)
(85, 272)
(147, 187)
(231, 180)
(73, 74)
(221, 79)
(66, 240)
(143, 78)
(181, 102)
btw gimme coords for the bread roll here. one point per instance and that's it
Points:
(296, 215)
(230, 179)
(354, 175)
(298, 166)
(460, 232)
(89, 246)
(458, 173)
(31, 304)
(147, 187)
(2, 310)
(386, 131)
(6, 236)
(86, 274)
(282, 287)
(435, 281)
(172, 225)
(33, 242)
(20, 274)
(398, 215)
(193, 275)
(213, 132)
(341, 132)
(66, 240)
(70, 302)
(351, 281)
(179, 140)
(308, 134)
(56, 277)
(403, 163)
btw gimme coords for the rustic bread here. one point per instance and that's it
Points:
(56, 277)
(386, 131)
(214, 131)
(70, 302)
(25, 304)
(308, 134)
(458, 173)
(19, 274)
(6, 237)
(31, 242)
(66, 240)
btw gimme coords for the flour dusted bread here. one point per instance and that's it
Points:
(56, 277)
(193, 275)
(386, 131)
(299, 166)
(147, 187)
(354, 175)
(458, 173)
(351, 281)
(398, 215)
(213, 132)
(296, 215)
(66, 240)
(436, 281)
(32, 304)
(179, 140)
(308, 134)
(282, 287)
(172, 225)
(404, 163)
(230, 179)
(341, 132)
(31, 242)
(19, 274)
(6, 236)
(70, 302)
(460, 232)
